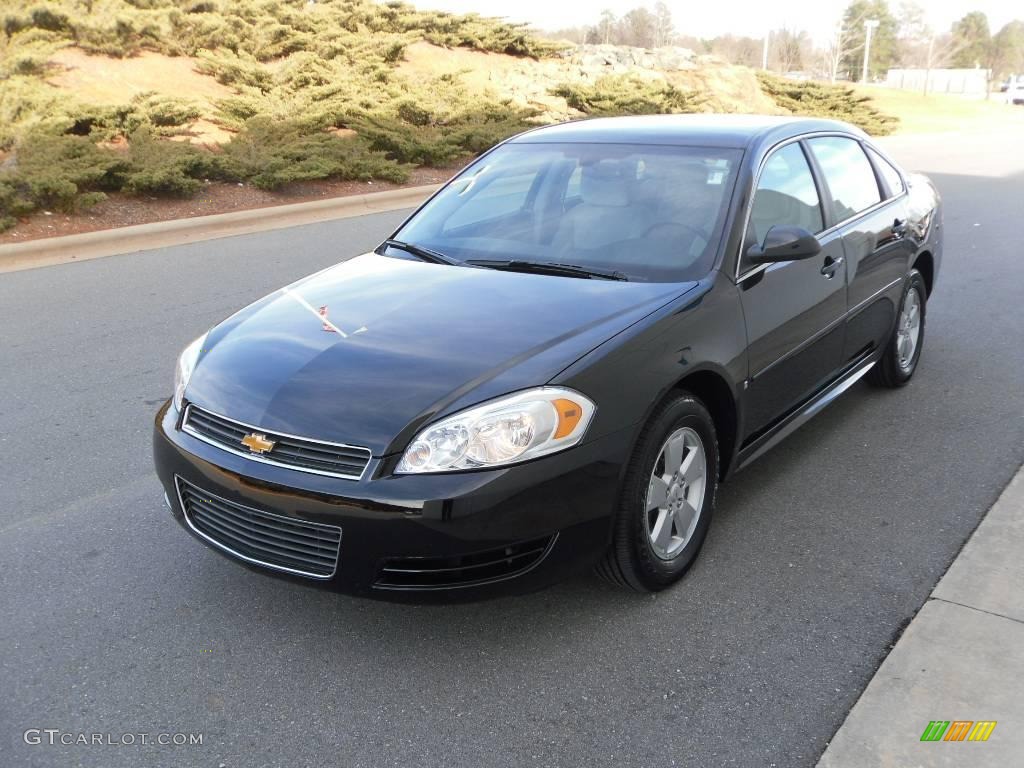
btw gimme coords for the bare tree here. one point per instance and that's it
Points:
(737, 50)
(839, 48)
(939, 52)
(663, 28)
(637, 28)
(790, 48)
(606, 25)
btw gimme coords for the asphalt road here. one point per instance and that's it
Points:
(114, 620)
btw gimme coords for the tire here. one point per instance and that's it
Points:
(895, 368)
(634, 559)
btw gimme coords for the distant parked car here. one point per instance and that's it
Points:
(556, 359)
(1014, 89)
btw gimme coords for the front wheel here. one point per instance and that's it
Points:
(667, 498)
(903, 350)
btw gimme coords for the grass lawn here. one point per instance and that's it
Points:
(937, 113)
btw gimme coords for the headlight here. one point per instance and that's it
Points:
(514, 428)
(186, 364)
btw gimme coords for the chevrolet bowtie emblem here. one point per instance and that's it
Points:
(257, 443)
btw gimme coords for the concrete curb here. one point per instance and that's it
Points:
(962, 656)
(161, 234)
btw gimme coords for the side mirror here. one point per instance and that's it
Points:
(784, 243)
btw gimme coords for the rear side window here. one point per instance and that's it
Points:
(785, 195)
(849, 175)
(890, 175)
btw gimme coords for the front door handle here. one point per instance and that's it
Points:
(828, 269)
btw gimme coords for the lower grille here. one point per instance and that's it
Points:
(281, 543)
(410, 573)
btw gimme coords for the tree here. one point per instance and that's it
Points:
(606, 26)
(839, 50)
(940, 52)
(745, 51)
(883, 37)
(638, 28)
(919, 46)
(789, 49)
(910, 23)
(973, 40)
(913, 35)
(663, 28)
(1008, 50)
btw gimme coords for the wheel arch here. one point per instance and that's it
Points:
(714, 391)
(924, 263)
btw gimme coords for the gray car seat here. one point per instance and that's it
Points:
(607, 213)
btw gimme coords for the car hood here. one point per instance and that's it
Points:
(367, 351)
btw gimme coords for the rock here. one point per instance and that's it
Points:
(621, 57)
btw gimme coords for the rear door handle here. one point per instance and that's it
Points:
(828, 269)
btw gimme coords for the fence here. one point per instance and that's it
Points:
(966, 82)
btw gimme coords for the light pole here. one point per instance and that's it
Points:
(764, 50)
(869, 25)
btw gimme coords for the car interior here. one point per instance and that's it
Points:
(651, 214)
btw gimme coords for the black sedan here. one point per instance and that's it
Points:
(554, 362)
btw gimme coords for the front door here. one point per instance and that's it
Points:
(794, 310)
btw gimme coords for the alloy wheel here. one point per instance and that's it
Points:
(675, 494)
(908, 332)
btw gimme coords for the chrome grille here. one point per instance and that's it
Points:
(318, 457)
(282, 543)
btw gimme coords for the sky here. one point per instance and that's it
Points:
(739, 17)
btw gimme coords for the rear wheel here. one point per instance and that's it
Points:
(903, 351)
(667, 498)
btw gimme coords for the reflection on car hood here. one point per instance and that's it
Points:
(377, 345)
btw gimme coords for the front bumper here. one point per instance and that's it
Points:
(448, 536)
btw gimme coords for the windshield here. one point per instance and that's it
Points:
(650, 213)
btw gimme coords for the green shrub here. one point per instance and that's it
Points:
(52, 171)
(237, 69)
(628, 95)
(835, 102)
(169, 168)
(434, 122)
(70, 173)
(440, 142)
(271, 153)
(299, 69)
(66, 173)
(165, 111)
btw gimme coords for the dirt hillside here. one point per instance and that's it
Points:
(526, 82)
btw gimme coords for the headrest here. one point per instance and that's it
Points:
(605, 183)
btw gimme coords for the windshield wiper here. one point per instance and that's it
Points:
(546, 268)
(422, 253)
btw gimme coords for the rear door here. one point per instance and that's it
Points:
(867, 201)
(793, 310)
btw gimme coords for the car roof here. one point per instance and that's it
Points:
(698, 130)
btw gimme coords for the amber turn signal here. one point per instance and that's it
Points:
(569, 415)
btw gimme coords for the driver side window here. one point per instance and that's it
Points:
(785, 194)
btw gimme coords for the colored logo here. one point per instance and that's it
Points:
(958, 730)
(327, 324)
(257, 443)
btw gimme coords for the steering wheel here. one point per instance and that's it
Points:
(700, 232)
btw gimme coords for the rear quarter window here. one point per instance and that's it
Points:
(891, 177)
